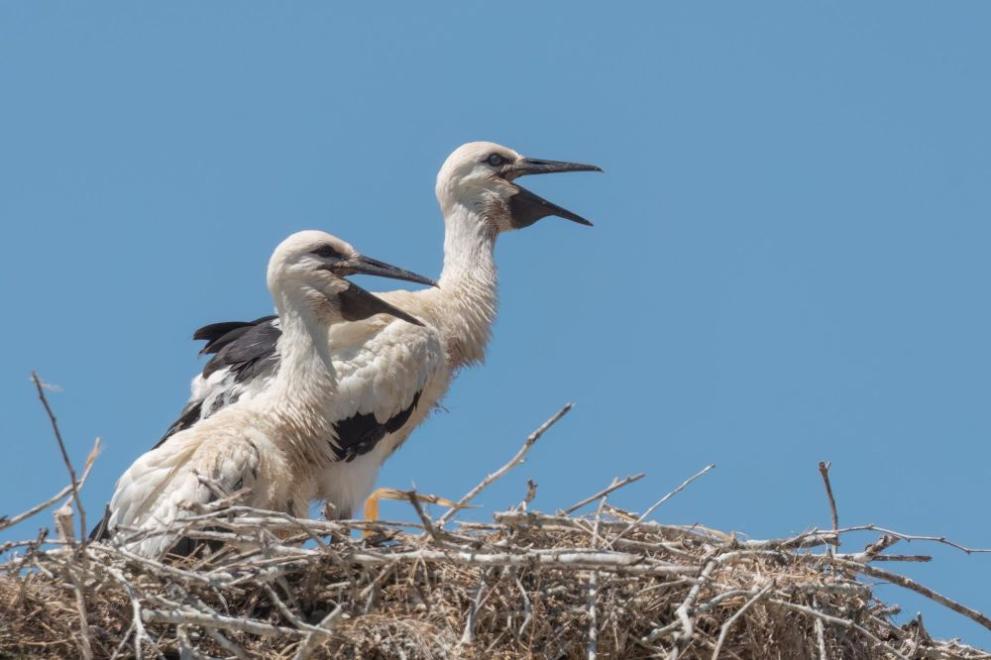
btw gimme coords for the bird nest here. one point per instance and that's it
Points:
(609, 583)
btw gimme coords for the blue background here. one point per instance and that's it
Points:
(789, 261)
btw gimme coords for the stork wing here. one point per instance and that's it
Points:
(382, 364)
(245, 356)
(160, 483)
(383, 382)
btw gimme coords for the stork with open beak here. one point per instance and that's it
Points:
(274, 446)
(390, 376)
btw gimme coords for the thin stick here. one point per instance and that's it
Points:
(820, 633)
(84, 634)
(824, 471)
(323, 629)
(912, 585)
(828, 618)
(614, 486)
(38, 508)
(206, 620)
(682, 639)
(513, 462)
(65, 455)
(724, 630)
(643, 516)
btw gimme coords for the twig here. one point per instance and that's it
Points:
(724, 630)
(513, 462)
(655, 505)
(912, 585)
(38, 508)
(683, 638)
(828, 618)
(227, 644)
(820, 629)
(84, 634)
(323, 628)
(824, 472)
(65, 455)
(193, 617)
(593, 584)
(614, 486)
(481, 594)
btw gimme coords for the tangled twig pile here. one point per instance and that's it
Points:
(527, 584)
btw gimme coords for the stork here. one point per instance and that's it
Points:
(387, 383)
(275, 445)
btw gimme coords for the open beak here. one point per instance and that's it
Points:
(526, 207)
(357, 304)
(362, 265)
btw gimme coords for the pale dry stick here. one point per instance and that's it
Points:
(140, 633)
(123, 641)
(65, 454)
(288, 613)
(820, 633)
(38, 508)
(824, 472)
(481, 595)
(724, 630)
(593, 588)
(513, 462)
(862, 557)
(186, 649)
(227, 644)
(593, 619)
(655, 505)
(323, 628)
(871, 527)
(912, 585)
(64, 524)
(209, 580)
(197, 618)
(428, 524)
(828, 618)
(84, 634)
(527, 608)
(611, 488)
(682, 639)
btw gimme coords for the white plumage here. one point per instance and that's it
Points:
(389, 374)
(275, 445)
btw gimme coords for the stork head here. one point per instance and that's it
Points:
(481, 176)
(310, 267)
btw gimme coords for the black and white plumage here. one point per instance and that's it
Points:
(279, 443)
(389, 379)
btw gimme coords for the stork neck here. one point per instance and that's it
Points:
(303, 347)
(468, 284)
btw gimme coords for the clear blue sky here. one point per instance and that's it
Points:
(789, 263)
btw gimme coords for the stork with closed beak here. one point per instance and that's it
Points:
(275, 445)
(388, 381)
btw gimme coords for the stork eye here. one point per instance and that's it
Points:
(495, 160)
(327, 251)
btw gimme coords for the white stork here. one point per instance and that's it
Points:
(388, 381)
(277, 444)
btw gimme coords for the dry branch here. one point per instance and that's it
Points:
(525, 584)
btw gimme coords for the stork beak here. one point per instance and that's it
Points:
(357, 304)
(526, 207)
(367, 266)
(525, 166)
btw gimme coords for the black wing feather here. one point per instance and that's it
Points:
(358, 434)
(245, 347)
(250, 348)
(218, 335)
